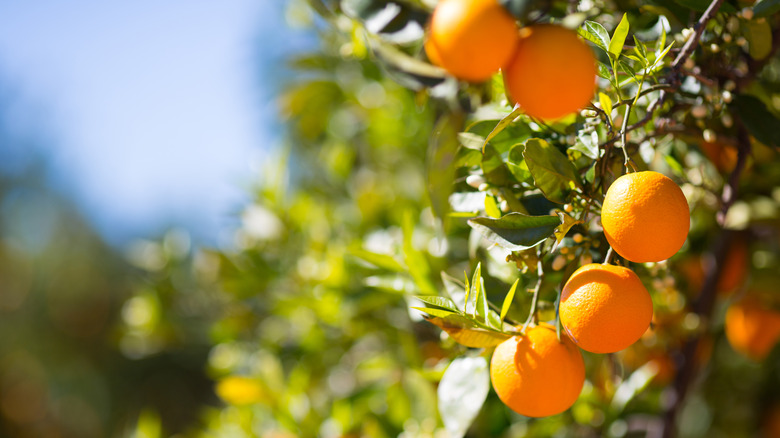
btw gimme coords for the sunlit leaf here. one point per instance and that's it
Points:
(553, 173)
(503, 123)
(436, 312)
(603, 71)
(633, 386)
(510, 296)
(462, 392)
(619, 37)
(471, 141)
(516, 164)
(516, 231)
(595, 33)
(566, 223)
(491, 207)
(455, 289)
(494, 169)
(606, 105)
(466, 331)
(382, 261)
(443, 302)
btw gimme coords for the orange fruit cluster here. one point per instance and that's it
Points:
(645, 217)
(548, 70)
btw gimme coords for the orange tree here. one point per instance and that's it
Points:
(343, 309)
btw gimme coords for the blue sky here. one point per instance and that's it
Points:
(153, 112)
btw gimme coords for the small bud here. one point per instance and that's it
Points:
(475, 181)
(727, 37)
(741, 41)
(699, 111)
(729, 85)
(687, 32)
(504, 206)
(571, 256)
(727, 121)
(689, 64)
(578, 238)
(558, 263)
(714, 48)
(483, 187)
(726, 96)
(709, 135)
(747, 13)
(571, 139)
(564, 250)
(568, 208)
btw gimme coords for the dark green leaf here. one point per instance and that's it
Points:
(503, 123)
(553, 173)
(619, 37)
(765, 8)
(516, 231)
(757, 119)
(494, 169)
(595, 33)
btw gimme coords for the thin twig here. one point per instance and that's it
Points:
(537, 288)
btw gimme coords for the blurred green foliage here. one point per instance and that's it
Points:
(304, 326)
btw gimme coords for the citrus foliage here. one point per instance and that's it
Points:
(346, 300)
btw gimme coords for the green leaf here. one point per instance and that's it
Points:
(603, 71)
(702, 5)
(566, 223)
(503, 123)
(466, 331)
(759, 35)
(510, 296)
(491, 207)
(471, 141)
(552, 171)
(765, 8)
(631, 387)
(640, 50)
(382, 261)
(516, 164)
(761, 123)
(516, 231)
(606, 105)
(442, 151)
(675, 165)
(595, 33)
(436, 312)
(415, 260)
(619, 37)
(442, 302)
(588, 144)
(494, 169)
(462, 391)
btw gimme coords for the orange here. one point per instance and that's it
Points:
(732, 276)
(605, 308)
(471, 39)
(552, 73)
(536, 375)
(645, 217)
(723, 156)
(752, 329)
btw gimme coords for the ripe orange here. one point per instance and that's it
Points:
(723, 156)
(751, 328)
(536, 375)
(605, 308)
(732, 276)
(552, 73)
(471, 39)
(645, 217)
